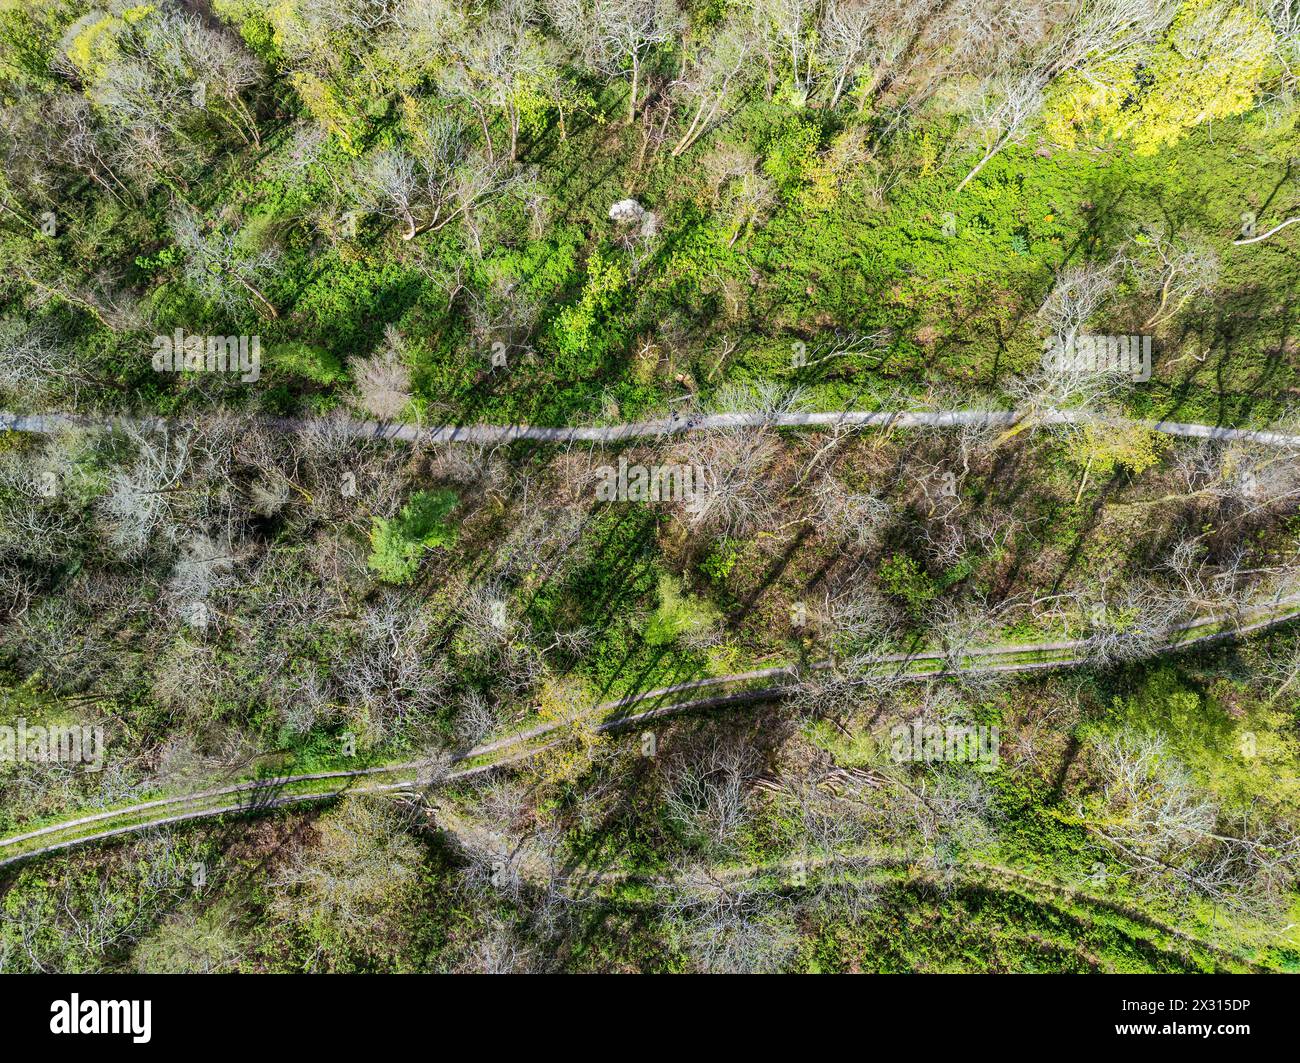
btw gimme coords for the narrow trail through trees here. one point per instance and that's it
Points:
(267, 794)
(487, 435)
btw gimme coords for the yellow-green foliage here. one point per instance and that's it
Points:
(792, 158)
(94, 40)
(532, 103)
(1244, 757)
(1105, 447)
(324, 104)
(575, 327)
(855, 749)
(1208, 65)
(334, 73)
(28, 32)
(814, 178)
(397, 545)
(568, 705)
(678, 614)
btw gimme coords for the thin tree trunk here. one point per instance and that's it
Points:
(252, 289)
(987, 156)
(1084, 482)
(1275, 229)
(636, 77)
(1164, 298)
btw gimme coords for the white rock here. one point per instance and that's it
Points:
(626, 212)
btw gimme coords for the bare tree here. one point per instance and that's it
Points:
(743, 195)
(383, 382)
(1170, 835)
(225, 71)
(847, 42)
(617, 34)
(1222, 589)
(393, 674)
(34, 363)
(219, 267)
(1001, 116)
(499, 950)
(1059, 387)
(1078, 293)
(477, 719)
(708, 793)
(142, 500)
(785, 32)
(81, 143)
(165, 73)
(504, 314)
(860, 516)
(727, 926)
(505, 56)
(713, 78)
(1101, 32)
(389, 187)
(1175, 267)
(1134, 623)
(193, 941)
(737, 499)
(356, 877)
(204, 567)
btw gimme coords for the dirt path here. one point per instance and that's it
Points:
(491, 435)
(265, 794)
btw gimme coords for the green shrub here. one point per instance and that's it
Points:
(721, 559)
(304, 360)
(397, 545)
(677, 615)
(902, 578)
(792, 156)
(583, 332)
